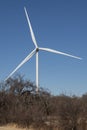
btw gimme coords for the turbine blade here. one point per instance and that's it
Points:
(58, 52)
(23, 62)
(30, 27)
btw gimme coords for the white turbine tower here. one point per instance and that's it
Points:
(35, 51)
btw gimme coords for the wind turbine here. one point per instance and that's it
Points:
(36, 51)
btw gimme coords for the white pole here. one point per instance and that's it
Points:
(37, 73)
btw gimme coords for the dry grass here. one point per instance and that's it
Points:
(13, 127)
(10, 128)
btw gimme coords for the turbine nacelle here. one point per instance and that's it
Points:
(37, 49)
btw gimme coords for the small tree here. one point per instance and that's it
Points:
(68, 112)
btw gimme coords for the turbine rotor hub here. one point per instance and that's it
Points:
(37, 49)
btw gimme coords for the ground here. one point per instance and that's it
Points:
(12, 127)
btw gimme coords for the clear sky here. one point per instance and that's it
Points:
(57, 24)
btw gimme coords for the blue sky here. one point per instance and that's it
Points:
(60, 25)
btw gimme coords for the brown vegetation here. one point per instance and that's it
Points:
(21, 105)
